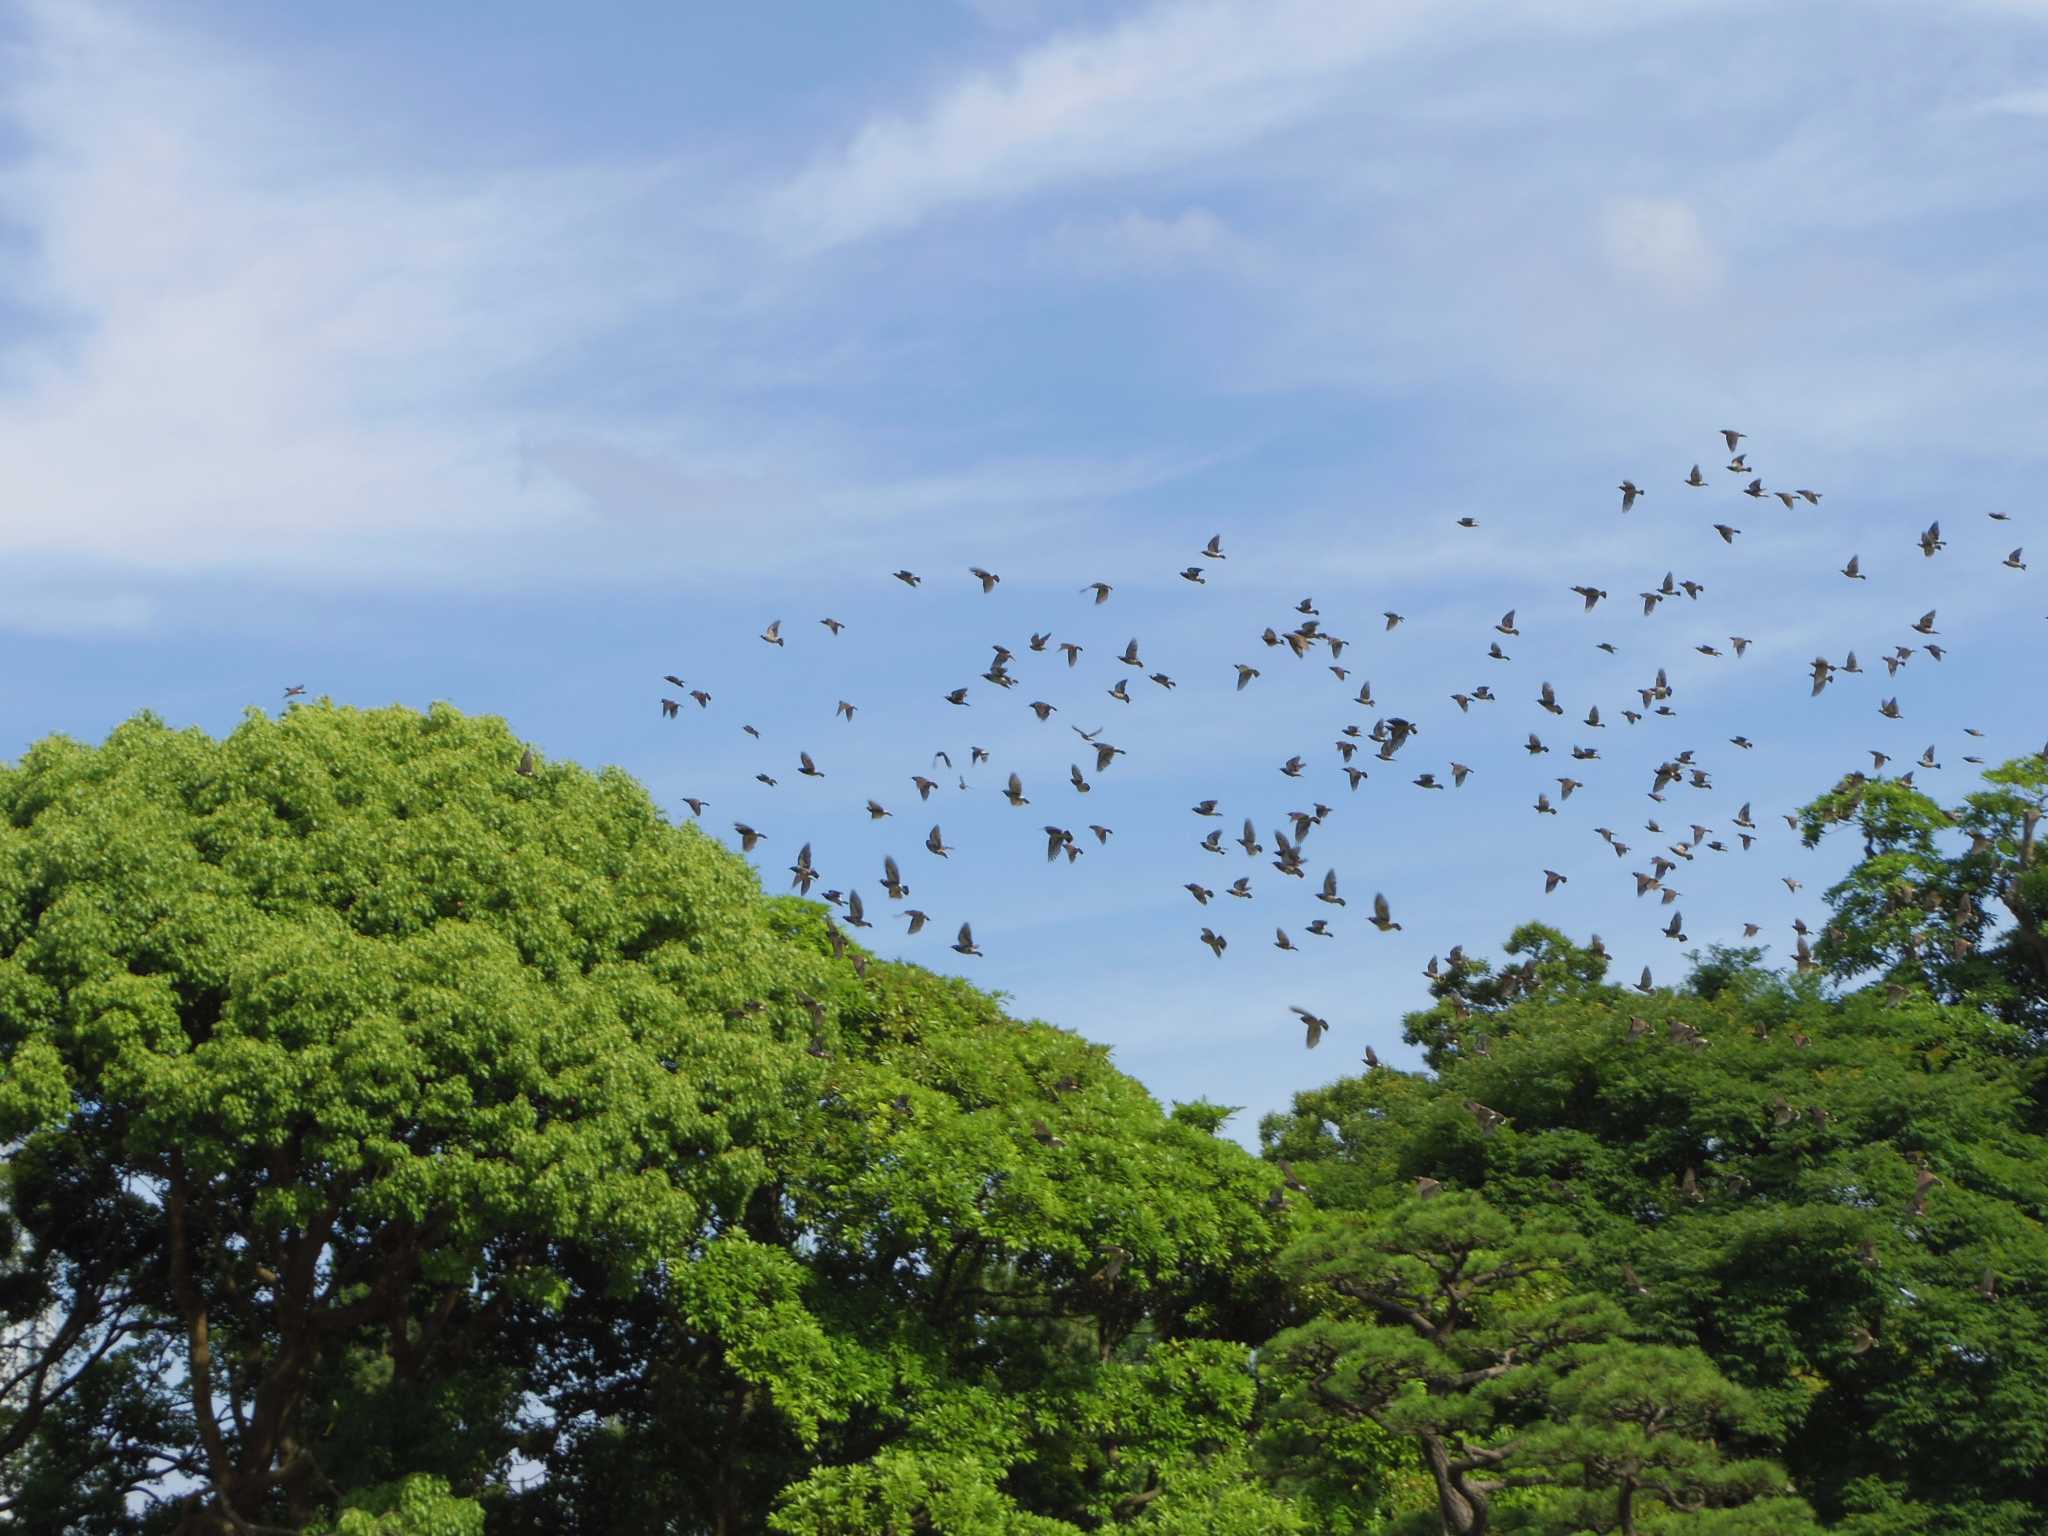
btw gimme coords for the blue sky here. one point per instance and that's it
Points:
(515, 355)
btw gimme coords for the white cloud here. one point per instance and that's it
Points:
(1143, 244)
(265, 348)
(746, 511)
(1657, 241)
(1166, 84)
(255, 353)
(256, 348)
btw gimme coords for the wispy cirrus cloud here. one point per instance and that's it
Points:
(250, 347)
(1169, 83)
(242, 344)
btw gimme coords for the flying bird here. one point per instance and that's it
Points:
(1313, 1025)
(1490, 1120)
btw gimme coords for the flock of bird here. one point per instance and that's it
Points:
(1299, 634)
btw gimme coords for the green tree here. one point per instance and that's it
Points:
(79, 1428)
(1923, 915)
(1445, 1322)
(446, 1114)
(1749, 1149)
(1635, 1432)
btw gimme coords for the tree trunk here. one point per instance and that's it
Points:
(1462, 1508)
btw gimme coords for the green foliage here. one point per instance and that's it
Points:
(1797, 1119)
(1445, 1322)
(434, 1114)
(414, 1115)
(1924, 916)
(414, 1506)
(1636, 1429)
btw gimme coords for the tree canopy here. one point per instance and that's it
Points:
(393, 1113)
(398, 1143)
